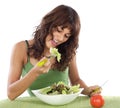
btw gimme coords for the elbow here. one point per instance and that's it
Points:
(11, 95)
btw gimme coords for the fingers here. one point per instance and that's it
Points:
(92, 90)
(43, 66)
(95, 90)
(42, 62)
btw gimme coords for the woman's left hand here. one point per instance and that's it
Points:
(92, 90)
(95, 90)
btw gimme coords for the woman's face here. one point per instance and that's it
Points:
(59, 36)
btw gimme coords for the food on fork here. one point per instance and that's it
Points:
(53, 53)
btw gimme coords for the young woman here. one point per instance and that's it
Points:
(58, 29)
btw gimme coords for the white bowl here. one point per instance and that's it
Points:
(59, 99)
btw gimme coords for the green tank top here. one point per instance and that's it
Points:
(44, 80)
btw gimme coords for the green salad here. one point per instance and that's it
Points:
(54, 53)
(60, 88)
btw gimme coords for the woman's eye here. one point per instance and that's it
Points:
(67, 36)
(59, 29)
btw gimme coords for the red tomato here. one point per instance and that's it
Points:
(97, 101)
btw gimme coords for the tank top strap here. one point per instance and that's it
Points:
(27, 45)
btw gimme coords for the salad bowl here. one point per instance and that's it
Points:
(56, 98)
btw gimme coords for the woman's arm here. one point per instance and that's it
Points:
(74, 75)
(75, 79)
(17, 85)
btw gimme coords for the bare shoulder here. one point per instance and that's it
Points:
(19, 51)
(73, 61)
(22, 44)
(19, 47)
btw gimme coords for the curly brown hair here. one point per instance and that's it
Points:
(64, 16)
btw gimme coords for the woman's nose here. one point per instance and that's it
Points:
(60, 38)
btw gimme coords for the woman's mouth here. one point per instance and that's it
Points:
(54, 42)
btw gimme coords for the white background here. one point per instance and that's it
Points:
(98, 55)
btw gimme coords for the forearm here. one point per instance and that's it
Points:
(82, 84)
(17, 88)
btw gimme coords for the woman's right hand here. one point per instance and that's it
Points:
(43, 66)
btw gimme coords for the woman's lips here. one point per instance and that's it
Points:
(53, 43)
